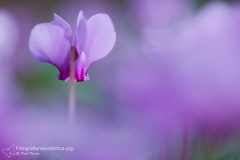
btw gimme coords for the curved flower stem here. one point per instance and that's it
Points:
(72, 94)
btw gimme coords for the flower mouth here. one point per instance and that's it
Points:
(76, 55)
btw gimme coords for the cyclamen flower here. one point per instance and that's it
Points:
(53, 42)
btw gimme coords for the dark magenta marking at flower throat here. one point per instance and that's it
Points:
(65, 73)
(76, 55)
(81, 77)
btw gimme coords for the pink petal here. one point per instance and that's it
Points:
(81, 72)
(100, 38)
(64, 25)
(80, 32)
(48, 43)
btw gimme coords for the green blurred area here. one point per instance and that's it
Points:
(43, 85)
(200, 3)
(46, 4)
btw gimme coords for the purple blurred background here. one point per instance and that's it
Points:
(169, 90)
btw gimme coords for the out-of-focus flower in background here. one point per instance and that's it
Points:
(9, 34)
(9, 38)
(209, 62)
(190, 77)
(158, 13)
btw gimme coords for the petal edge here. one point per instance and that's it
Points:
(47, 43)
(100, 38)
(59, 21)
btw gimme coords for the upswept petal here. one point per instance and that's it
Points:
(80, 32)
(100, 38)
(64, 25)
(48, 43)
(80, 17)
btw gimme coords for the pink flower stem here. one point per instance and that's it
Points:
(185, 143)
(72, 94)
